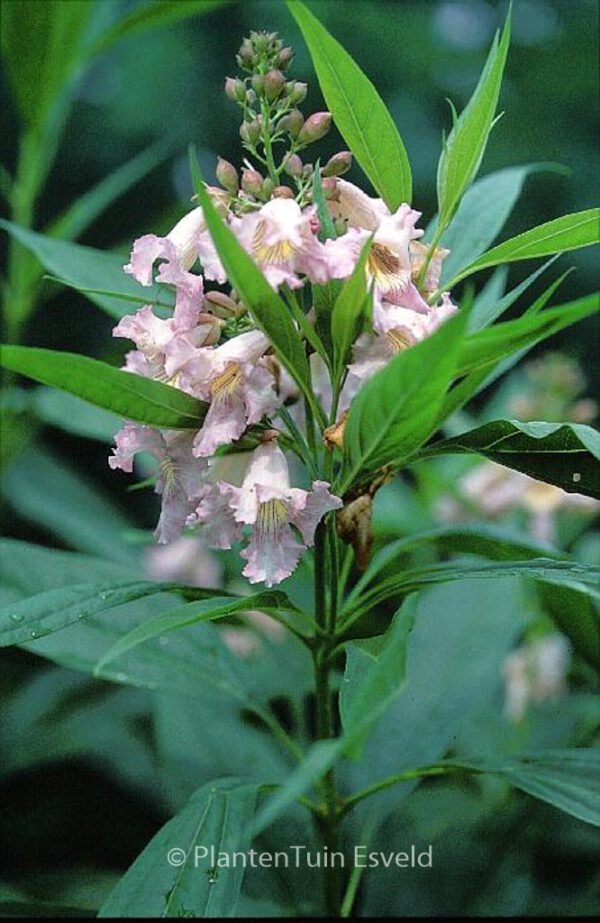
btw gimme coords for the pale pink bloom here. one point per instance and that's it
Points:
(281, 238)
(496, 490)
(395, 328)
(181, 478)
(235, 382)
(186, 560)
(165, 345)
(418, 255)
(357, 208)
(535, 672)
(187, 242)
(268, 504)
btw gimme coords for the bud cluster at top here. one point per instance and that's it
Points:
(274, 130)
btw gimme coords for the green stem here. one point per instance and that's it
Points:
(325, 618)
(406, 776)
(432, 248)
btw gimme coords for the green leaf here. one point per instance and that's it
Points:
(128, 395)
(327, 230)
(347, 311)
(464, 148)
(576, 615)
(51, 494)
(218, 815)
(52, 610)
(94, 272)
(571, 232)
(270, 313)
(567, 779)
(358, 111)
(84, 210)
(374, 677)
(154, 14)
(202, 611)
(396, 411)
(42, 46)
(564, 454)
(487, 307)
(481, 216)
(417, 578)
(495, 343)
(73, 415)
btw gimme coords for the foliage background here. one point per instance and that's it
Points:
(168, 84)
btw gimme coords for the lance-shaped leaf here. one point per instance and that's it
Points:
(270, 313)
(131, 396)
(464, 148)
(374, 676)
(564, 454)
(348, 309)
(175, 876)
(97, 274)
(396, 411)
(481, 215)
(358, 111)
(570, 232)
(205, 610)
(489, 346)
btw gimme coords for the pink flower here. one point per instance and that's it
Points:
(281, 238)
(164, 346)
(235, 382)
(268, 504)
(183, 245)
(181, 478)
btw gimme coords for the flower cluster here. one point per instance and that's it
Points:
(211, 349)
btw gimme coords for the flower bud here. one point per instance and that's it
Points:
(252, 182)
(227, 176)
(316, 126)
(293, 166)
(284, 58)
(274, 83)
(250, 131)
(292, 122)
(307, 170)
(283, 192)
(297, 92)
(338, 164)
(329, 187)
(258, 83)
(207, 331)
(221, 305)
(245, 56)
(235, 89)
(340, 225)
(267, 188)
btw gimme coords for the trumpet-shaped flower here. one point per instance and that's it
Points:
(181, 477)
(235, 382)
(266, 502)
(281, 238)
(165, 345)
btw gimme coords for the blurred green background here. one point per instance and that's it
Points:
(168, 84)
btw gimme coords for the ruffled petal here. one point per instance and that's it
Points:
(307, 508)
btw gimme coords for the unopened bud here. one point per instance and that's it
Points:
(227, 176)
(340, 225)
(250, 131)
(297, 92)
(252, 182)
(221, 305)
(293, 166)
(338, 164)
(258, 83)
(283, 192)
(285, 57)
(235, 89)
(316, 126)
(274, 83)
(267, 188)
(292, 122)
(245, 56)
(207, 331)
(307, 170)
